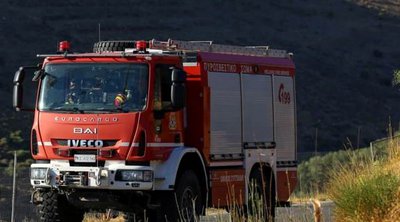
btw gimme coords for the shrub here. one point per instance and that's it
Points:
(315, 173)
(368, 189)
(363, 195)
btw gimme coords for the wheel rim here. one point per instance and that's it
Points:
(186, 203)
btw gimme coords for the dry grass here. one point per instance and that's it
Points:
(103, 217)
(368, 190)
(301, 199)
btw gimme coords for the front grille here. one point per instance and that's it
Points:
(99, 163)
(75, 178)
(81, 151)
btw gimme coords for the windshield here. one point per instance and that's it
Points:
(97, 87)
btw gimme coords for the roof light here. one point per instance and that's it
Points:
(64, 46)
(141, 45)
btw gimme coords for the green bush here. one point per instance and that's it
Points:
(315, 173)
(363, 194)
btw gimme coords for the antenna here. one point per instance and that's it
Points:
(99, 32)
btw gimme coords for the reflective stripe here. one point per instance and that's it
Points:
(164, 144)
(47, 143)
(124, 144)
(39, 143)
(190, 63)
(159, 144)
(135, 145)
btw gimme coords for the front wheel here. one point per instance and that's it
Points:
(55, 207)
(187, 202)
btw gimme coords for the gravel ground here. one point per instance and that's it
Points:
(304, 212)
(299, 212)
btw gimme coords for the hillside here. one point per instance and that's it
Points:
(345, 51)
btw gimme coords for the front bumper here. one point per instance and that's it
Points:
(59, 174)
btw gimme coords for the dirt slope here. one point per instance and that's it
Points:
(345, 51)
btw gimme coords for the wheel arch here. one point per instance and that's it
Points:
(194, 162)
(181, 159)
(267, 172)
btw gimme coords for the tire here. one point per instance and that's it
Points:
(179, 206)
(112, 46)
(262, 195)
(55, 207)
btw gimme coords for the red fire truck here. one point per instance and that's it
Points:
(159, 127)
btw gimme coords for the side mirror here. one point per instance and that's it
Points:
(19, 75)
(24, 99)
(178, 89)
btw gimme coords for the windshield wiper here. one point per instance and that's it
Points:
(116, 110)
(67, 109)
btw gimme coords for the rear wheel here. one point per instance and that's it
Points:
(262, 195)
(55, 207)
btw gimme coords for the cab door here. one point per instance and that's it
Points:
(168, 121)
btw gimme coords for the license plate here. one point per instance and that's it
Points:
(82, 158)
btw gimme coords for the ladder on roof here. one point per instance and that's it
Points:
(208, 46)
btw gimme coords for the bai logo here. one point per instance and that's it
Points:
(78, 130)
(283, 96)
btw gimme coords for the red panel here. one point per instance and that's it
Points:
(60, 126)
(192, 71)
(215, 62)
(227, 187)
(286, 183)
(195, 110)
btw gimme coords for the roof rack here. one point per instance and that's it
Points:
(208, 46)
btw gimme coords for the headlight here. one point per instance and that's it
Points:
(148, 176)
(38, 173)
(131, 175)
(134, 175)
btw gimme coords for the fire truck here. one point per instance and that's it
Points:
(168, 128)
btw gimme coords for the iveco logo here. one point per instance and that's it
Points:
(85, 143)
(78, 130)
